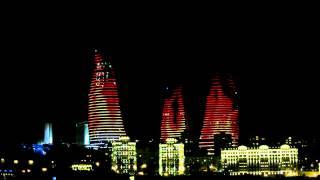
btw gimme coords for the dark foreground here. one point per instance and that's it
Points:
(159, 178)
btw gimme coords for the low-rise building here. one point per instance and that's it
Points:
(263, 160)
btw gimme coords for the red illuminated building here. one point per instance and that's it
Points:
(220, 115)
(173, 122)
(104, 115)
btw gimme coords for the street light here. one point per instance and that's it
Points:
(44, 169)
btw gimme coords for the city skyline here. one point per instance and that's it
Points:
(62, 100)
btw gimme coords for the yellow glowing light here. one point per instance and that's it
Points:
(114, 168)
(44, 169)
(140, 173)
(81, 167)
(97, 164)
(311, 174)
(291, 174)
(143, 166)
(131, 178)
(15, 161)
(23, 171)
(28, 170)
(2, 160)
(30, 162)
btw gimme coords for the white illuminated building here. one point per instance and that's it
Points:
(262, 161)
(124, 156)
(48, 134)
(171, 158)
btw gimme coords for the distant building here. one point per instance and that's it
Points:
(221, 141)
(124, 156)
(257, 141)
(221, 115)
(171, 158)
(48, 134)
(196, 165)
(262, 161)
(82, 137)
(288, 141)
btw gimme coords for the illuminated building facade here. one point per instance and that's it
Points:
(82, 133)
(48, 135)
(104, 115)
(81, 167)
(124, 156)
(171, 158)
(221, 116)
(173, 121)
(262, 161)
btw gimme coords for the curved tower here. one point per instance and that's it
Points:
(173, 122)
(104, 115)
(220, 116)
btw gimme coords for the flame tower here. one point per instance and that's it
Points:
(104, 115)
(173, 122)
(220, 115)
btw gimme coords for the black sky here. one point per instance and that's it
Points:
(277, 80)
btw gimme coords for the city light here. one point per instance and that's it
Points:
(143, 166)
(190, 132)
(81, 167)
(44, 169)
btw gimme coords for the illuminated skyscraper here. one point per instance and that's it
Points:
(105, 120)
(173, 122)
(221, 116)
(124, 156)
(171, 158)
(48, 135)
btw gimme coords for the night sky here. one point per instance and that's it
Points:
(51, 84)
